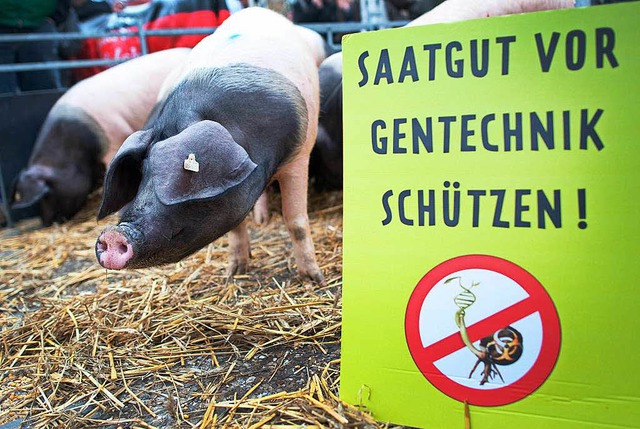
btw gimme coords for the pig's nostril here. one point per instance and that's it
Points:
(101, 246)
(123, 248)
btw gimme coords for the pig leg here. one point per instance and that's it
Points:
(293, 180)
(239, 249)
(261, 208)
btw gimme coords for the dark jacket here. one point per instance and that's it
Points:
(31, 13)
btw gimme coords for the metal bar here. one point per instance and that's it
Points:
(352, 26)
(37, 37)
(319, 27)
(54, 65)
(143, 39)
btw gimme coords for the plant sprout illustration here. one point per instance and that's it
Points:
(504, 347)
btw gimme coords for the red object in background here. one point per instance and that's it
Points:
(121, 47)
(199, 19)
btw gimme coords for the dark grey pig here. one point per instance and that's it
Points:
(85, 129)
(325, 165)
(245, 109)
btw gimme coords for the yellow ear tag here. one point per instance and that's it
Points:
(191, 164)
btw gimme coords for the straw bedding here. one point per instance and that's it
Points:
(179, 346)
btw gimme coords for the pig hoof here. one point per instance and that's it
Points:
(236, 267)
(315, 275)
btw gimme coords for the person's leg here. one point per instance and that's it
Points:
(36, 52)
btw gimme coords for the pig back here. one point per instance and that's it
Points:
(120, 99)
(263, 38)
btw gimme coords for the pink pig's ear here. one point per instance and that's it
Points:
(124, 173)
(222, 164)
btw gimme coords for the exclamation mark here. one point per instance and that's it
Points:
(582, 208)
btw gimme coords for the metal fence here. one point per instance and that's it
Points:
(330, 29)
(372, 11)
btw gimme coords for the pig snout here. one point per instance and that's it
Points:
(113, 249)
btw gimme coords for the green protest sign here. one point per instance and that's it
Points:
(490, 221)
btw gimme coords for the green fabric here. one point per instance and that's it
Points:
(25, 13)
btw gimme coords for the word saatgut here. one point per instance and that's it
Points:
(475, 56)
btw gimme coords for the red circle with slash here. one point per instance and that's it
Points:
(538, 301)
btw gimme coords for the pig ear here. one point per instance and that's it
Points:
(124, 173)
(222, 164)
(28, 190)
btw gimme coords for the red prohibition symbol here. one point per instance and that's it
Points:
(510, 319)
